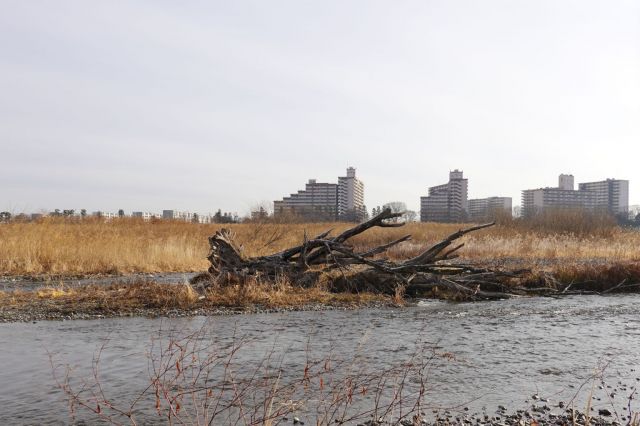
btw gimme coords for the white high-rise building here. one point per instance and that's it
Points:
(351, 197)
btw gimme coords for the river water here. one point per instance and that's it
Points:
(489, 354)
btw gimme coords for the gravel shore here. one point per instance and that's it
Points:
(41, 313)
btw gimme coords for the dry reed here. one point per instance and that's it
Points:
(59, 247)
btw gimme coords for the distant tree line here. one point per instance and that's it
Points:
(396, 207)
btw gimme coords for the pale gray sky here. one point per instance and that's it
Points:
(200, 105)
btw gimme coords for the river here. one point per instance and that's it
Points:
(489, 354)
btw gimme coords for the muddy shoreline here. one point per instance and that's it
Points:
(31, 282)
(40, 298)
(40, 312)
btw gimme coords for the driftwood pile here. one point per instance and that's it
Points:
(334, 261)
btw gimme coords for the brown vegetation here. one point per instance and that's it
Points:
(560, 262)
(150, 298)
(54, 246)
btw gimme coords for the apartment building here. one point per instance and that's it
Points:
(321, 201)
(351, 197)
(612, 195)
(447, 202)
(609, 195)
(486, 209)
(317, 202)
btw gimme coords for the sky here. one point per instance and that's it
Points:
(206, 105)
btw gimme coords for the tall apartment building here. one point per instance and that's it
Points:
(609, 195)
(326, 201)
(317, 202)
(612, 195)
(448, 202)
(485, 209)
(351, 197)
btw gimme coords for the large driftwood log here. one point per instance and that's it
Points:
(426, 272)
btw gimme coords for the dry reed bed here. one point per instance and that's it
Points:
(59, 247)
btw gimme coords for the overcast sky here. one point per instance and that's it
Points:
(151, 105)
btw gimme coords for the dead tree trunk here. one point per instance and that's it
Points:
(357, 271)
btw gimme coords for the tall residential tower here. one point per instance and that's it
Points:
(351, 197)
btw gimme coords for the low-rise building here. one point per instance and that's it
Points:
(146, 216)
(177, 215)
(202, 218)
(105, 215)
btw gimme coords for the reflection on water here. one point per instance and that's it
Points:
(504, 351)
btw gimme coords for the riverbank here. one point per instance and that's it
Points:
(153, 299)
(173, 296)
(540, 414)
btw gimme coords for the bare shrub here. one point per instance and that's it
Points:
(195, 380)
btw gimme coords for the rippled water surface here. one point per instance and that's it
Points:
(504, 351)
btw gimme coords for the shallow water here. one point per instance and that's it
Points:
(505, 351)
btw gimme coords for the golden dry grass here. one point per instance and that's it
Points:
(59, 247)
